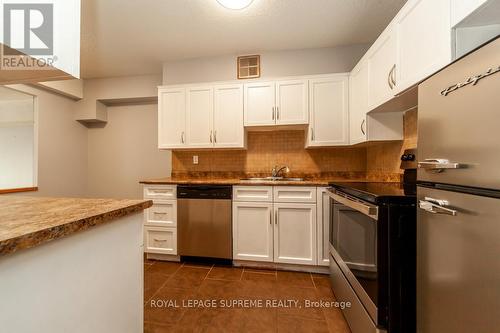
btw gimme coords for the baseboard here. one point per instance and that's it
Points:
(163, 257)
(281, 267)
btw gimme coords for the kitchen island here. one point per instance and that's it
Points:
(71, 265)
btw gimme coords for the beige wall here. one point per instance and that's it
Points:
(124, 152)
(273, 64)
(62, 146)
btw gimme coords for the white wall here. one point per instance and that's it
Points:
(273, 64)
(16, 156)
(62, 146)
(111, 90)
(125, 151)
(17, 145)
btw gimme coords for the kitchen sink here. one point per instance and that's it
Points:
(273, 179)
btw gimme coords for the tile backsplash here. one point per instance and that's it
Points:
(267, 149)
(376, 161)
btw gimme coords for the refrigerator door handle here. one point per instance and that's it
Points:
(438, 165)
(436, 206)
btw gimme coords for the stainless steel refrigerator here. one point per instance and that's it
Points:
(458, 220)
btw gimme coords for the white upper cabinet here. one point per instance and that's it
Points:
(228, 116)
(292, 102)
(260, 104)
(381, 61)
(423, 40)
(329, 111)
(199, 117)
(171, 118)
(194, 117)
(358, 103)
(277, 103)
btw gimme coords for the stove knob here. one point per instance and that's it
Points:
(404, 157)
(411, 157)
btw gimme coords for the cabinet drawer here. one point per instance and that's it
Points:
(294, 194)
(163, 213)
(160, 240)
(253, 193)
(160, 192)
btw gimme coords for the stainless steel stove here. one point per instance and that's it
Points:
(372, 251)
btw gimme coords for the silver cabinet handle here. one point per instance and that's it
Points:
(273, 112)
(438, 165)
(389, 81)
(312, 134)
(159, 213)
(362, 126)
(393, 76)
(215, 136)
(277, 113)
(270, 217)
(182, 137)
(390, 78)
(276, 217)
(436, 206)
(211, 137)
(159, 240)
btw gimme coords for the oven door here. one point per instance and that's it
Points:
(353, 245)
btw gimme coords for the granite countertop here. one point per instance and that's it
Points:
(237, 181)
(28, 222)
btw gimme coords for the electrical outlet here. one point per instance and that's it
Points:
(195, 159)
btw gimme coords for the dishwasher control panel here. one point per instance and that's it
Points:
(204, 192)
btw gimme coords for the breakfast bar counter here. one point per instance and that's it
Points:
(67, 260)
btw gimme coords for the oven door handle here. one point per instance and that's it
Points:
(362, 207)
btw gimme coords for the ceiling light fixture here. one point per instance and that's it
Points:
(235, 4)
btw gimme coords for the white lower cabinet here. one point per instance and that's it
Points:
(275, 227)
(163, 213)
(160, 220)
(295, 233)
(253, 231)
(160, 240)
(323, 227)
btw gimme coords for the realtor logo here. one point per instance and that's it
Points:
(29, 28)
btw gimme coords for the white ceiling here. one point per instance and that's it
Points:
(131, 37)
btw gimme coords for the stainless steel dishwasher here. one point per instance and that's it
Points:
(205, 221)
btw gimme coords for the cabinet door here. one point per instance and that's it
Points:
(295, 233)
(358, 103)
(228, 116)
(253, 231)
(199, 117)
(163, 213)
(323, 227)
(381, 66)
(329, 111)
(260, 103)
(423, 40)
(171, 118)
(292, 102)
(160, 240)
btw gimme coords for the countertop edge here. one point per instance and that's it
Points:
(40, 237)
(321, 183)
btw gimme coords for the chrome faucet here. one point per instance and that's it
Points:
(276, 172)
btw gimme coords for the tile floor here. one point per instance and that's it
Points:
(169, 287)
